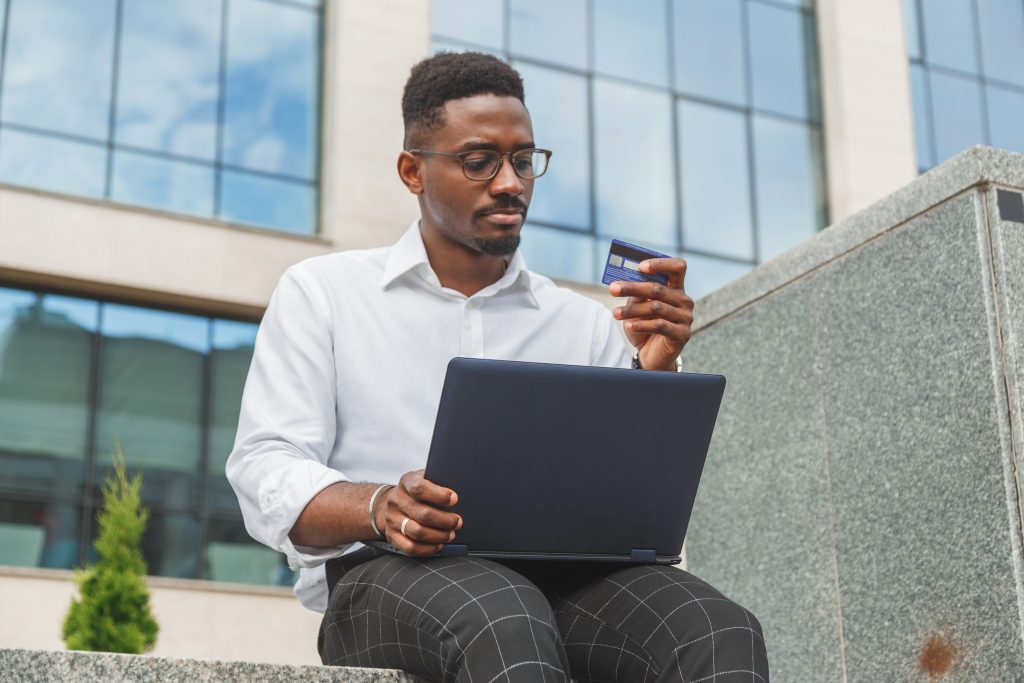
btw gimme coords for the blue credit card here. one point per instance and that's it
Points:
(623, 263)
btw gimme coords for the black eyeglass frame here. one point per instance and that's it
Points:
(461, 156)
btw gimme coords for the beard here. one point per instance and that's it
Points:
(504, 245)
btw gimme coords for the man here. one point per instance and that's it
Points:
(341, 397)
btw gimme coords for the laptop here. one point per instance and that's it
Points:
(566, 462)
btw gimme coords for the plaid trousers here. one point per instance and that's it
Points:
(468, 620)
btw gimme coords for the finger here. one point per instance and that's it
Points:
(674, 268)
(675, 331)
(654, 309)
(419, 533)
(403, 505)
(408, 546)
(424, 490)
(651, 290)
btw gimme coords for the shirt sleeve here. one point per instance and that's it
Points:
(609, 347)
(287, 424)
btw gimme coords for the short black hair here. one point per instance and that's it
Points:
(452, 76)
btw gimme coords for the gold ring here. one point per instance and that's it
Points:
(405, 522)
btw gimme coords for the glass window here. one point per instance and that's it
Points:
(714, 181)
(39, 534)
(1002, 39)
(922, 117)
(559, 253)
(709, 49)
(57, 69)
(630, 40)
(782, 69)
(231, 555)
(790, 202)
(151, 397)
(170, 544)
(270, 96)
(284, 205)
(469, 21)
(169, 77)
(910, 29)
(634, 167)
(52, 164)
(704, 274)
(45, 357)
(178, 186)
(956, 114)
(550, 30)
(1005, 116)
(949, 34)
(233, 344)
(558, 106)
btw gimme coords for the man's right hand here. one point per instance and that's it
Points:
(422, 502)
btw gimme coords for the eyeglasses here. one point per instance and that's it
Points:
(484, 164)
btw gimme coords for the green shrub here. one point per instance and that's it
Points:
(113, 614)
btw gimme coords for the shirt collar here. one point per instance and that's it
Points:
(408, 256)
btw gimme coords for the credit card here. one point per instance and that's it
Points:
(624, 264)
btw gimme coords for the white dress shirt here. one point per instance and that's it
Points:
(347, 372)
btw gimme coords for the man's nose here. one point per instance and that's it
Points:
(506, 181)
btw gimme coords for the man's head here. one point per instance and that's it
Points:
(456, 103)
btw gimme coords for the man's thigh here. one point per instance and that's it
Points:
(647, 623)
(443, 618)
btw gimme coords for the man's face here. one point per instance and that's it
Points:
(485, 216)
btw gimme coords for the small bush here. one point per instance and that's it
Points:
(113, 614)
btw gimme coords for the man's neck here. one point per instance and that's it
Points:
(457, 266)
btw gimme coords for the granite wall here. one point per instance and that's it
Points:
(862, 493)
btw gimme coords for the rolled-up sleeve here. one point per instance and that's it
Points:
(288, 424)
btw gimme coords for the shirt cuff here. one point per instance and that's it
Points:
(283, 495)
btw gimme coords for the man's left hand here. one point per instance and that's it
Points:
(657, 317)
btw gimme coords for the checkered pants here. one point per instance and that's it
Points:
(471, 620)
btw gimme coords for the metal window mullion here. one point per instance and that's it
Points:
(748, 94)
(205, 409)
(218, 166)
(677, 164)
(980, 77)
(112, 116)
(92, 430)
(3, 46)
(319, 109)
(592, 136)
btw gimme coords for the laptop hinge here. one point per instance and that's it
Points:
(454, 550)
(643, 555)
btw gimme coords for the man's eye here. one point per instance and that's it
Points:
(524, 164)
(477, 162)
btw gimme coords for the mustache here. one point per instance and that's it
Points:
(505, 203)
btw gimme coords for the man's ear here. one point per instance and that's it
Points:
(409, 169)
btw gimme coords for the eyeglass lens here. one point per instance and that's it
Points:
(483, 165)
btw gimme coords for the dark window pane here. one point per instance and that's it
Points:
(178, 186)
(715, 180)
(558, 107)
(782, 61)
(630, 40)
(550, 30)
(288, 206)
(559, 253)
(57, 71)
(470, 21)
(956, 114)
(52, 164)
(1006, 118)
(910, 29)
(150, 398)
(45, 358)
(704, 275)
(168, 81)
(270, 97)
(922, 118)
(231, 555)
(170, 545)
(709, 49)
(790, 200)
(949, 34)
(635, 175)
(1002, 39)
(232, 353)
(39, 534)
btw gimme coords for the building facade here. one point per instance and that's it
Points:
(162, 164)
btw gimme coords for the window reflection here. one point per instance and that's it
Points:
(781, 61)
(910, 28)
(1001, 24)
(168, 78)
(57, 67)
(559, 253)
(709, 49)
(284, 205)
(630, 40)
(52, 164)
(178, 186)
(170, 545)
(39, 534)
(550, 30)
(558, 107)
(949, 34)
(469, 21)
(704, 274)
(922, 117)
(1006, 114)
(956, 114)
(230, 554)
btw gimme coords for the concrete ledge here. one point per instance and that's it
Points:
(89, 667)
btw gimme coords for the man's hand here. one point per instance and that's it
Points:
(421, 501)
(657, 317)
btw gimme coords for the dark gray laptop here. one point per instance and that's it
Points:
(570, 462)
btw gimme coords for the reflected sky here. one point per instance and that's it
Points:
(558, 253)
(779, 60)
(922, 120)
(80, 312)
(1001, 23)
(267, 202)
(709, 49)
(949, 34)
(158, 183)
(52, 164)
(956, 114)
(57, 70)
(630, 40)
(704, 274)
(550, 30)
(270, 97)
(178, 329)
(910, 28)
(168, 84)
(232, 334)
(1006, 118)
(470, 21)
